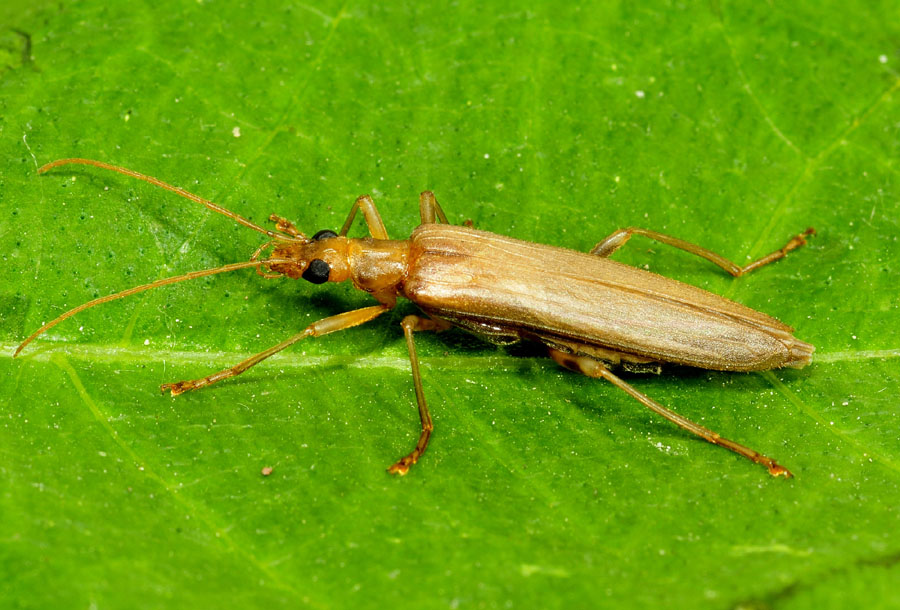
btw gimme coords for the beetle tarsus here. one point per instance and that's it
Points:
(402, 466)
(176, 388)
(777, 470)
(285, 226)
(797, 241)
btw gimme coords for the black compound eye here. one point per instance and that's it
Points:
(324, 234)
(317, 272)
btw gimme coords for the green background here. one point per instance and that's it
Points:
(733, 125)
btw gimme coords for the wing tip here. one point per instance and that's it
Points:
(800, 354)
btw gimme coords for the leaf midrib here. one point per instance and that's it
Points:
(108, 353)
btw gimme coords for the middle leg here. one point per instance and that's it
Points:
(430, 210)
(410, 325)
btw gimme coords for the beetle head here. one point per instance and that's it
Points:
(319, 259)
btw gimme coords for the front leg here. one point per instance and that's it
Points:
(324, 326)
(371, 215)
(286, 226)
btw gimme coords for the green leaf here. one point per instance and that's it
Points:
(733, 126)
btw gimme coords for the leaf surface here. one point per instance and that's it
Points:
(733, 126)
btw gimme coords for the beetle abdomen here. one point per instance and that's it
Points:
(546, 291)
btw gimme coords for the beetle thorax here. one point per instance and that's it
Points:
(378, 265)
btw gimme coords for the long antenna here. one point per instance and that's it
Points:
(163, 282)
(175, 189)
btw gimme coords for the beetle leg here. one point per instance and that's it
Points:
(592, 368)
(429, 208)
(285, 226)
(410, 325)
(370, 213)
(265, 274)
(331, 324)
(618, 239)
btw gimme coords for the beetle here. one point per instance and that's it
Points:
(592, 313)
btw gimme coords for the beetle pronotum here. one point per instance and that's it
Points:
(592, 313)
